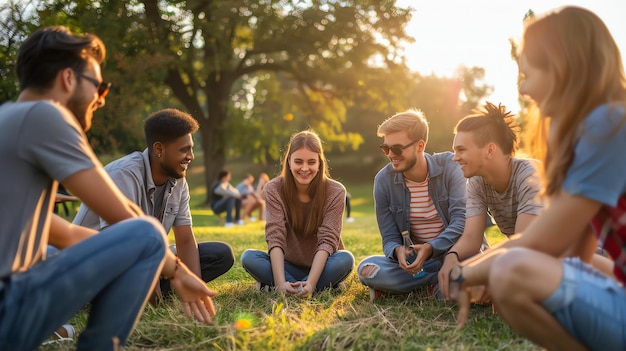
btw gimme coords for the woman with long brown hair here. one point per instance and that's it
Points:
(303, 225)
(573, 70)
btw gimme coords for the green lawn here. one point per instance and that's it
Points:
(333, 320)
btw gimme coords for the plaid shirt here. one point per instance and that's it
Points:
(609, 225)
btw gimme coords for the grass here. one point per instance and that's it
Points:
(332, 320)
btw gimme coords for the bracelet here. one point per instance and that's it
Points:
(455, 253)
(175, 269)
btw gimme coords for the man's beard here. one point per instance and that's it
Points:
(410, 163)
(171, 172)
(79, 110)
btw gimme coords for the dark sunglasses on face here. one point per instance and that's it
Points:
(396, 149)
(103, 87)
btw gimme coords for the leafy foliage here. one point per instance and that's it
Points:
(254, 71)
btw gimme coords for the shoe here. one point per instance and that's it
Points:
(349, 219)
(65, 333)
(229, 224)
(261, 287)
(375, 294)
(435, 292)
(252, 219)
(241, 222)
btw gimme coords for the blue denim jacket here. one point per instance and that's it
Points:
(446, 185)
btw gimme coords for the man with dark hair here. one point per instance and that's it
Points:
(155, 180)
(499, 184)
(43, 142)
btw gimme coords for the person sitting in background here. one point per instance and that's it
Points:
(349, 218)
(226, 198)
(305, 252)
(155, 180)
(249, 198)
(263, 179)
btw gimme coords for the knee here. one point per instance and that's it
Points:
(368, 270)
(246, 257)
(509, 272)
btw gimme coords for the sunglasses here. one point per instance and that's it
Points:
(103, 87)
(396, 149)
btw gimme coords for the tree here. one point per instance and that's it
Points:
(321, 47)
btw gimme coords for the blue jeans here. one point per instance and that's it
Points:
(227, 204)
(390, 277)
(216, 258)
(114, 270)
(590, 306)
(338, 267)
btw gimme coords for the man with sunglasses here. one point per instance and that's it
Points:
(417, 193)
(42, 143)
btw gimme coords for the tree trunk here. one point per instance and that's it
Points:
(213, 142)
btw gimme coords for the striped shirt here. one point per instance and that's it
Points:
(424, 219)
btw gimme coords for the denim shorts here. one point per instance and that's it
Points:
(591, 306)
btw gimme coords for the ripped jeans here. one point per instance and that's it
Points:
(390, 277)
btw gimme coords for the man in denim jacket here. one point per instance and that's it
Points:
(421, 195)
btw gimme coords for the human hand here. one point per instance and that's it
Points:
(194, 294)
(444, 274)
(401, 255)
(305, 289)
(462, 298)
(288, 288)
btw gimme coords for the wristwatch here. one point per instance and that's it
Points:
(455, 281)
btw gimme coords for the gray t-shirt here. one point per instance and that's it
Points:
(519, 197)
(41, 143)
(132, 174)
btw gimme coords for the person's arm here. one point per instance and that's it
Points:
(64, 234)
(523, 221)
(455, 182)
(187, 248)
(328, 236)
(468, 245)
(277, 259)
(95, 189)
(387, 227)
(227, 190)
(317, 267)
(554, 232)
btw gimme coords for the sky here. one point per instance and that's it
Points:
(450, 33)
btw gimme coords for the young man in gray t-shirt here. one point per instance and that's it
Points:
(498, 184)
(43, 143)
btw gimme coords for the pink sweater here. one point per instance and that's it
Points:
(300, 249)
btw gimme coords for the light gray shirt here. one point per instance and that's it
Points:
(41, 143)
(133, 175)
(519, 197)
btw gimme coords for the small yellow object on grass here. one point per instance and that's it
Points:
(243, 321)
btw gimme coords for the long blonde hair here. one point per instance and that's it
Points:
(300, 222)
(575, 47)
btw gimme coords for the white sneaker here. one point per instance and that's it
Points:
(349, 219)
(229, 224)
(241, 222)
(252, 219)
(261, 287)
